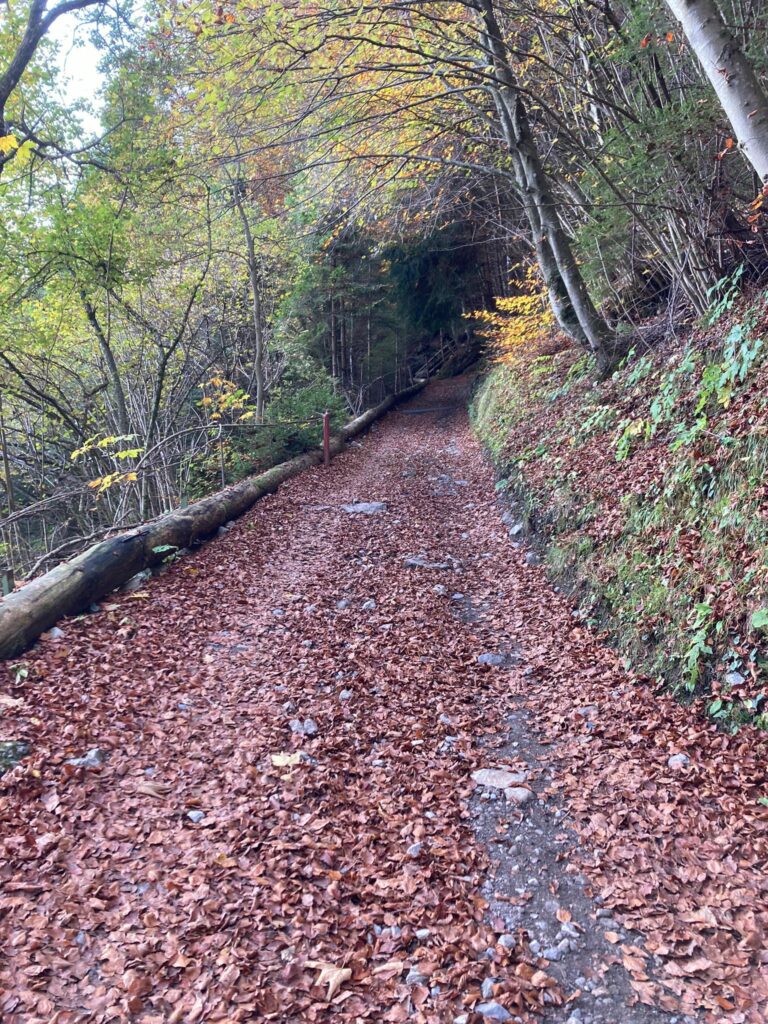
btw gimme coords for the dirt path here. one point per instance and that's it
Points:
(281, 810)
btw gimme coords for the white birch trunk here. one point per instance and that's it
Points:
(731, 74)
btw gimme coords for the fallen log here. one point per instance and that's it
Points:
(74, 585)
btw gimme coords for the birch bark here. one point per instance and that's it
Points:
(731, 74)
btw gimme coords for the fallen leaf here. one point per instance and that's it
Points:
(225, 861)
(156, 789)
(390, 969)
(51, 800)
(284, 760)
(330, 975)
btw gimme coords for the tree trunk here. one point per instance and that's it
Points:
(7, 560)
(590, 321)
(553, 281)
(112, 367)
(571, 302)
(6, 462)
(731, 74)
(255, 284)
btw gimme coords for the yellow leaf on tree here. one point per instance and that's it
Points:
(518, 320)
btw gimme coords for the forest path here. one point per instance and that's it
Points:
(287, 723)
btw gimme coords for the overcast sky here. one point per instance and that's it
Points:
(79, 60)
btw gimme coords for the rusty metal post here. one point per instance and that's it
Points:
(326, 438)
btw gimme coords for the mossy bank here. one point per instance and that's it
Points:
(648, 495)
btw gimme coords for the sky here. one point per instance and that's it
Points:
(79, 60)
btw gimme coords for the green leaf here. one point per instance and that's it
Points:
(760, 618)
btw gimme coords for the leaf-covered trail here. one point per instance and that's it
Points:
(199, 874)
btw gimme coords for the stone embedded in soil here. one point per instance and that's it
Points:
(553, 953)
(414, 977)
(518, 795)
(678, 761)
(306, 728)
(588, 711)
(196, 816)
(11, 752)
(493, 1011)
(486, 989)
(94, 758)
(498, 778)
(369, 605)
(569, 930)
(364, 508)
(491, 658)
(134, 583)
(420, 562)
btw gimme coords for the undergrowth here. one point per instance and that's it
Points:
(648, 492)
(294, 426)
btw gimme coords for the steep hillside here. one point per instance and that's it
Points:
(647, 494)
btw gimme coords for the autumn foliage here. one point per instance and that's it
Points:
(519, 321)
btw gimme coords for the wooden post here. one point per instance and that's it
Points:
(326, 439)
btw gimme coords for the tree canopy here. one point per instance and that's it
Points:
(291, 208)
